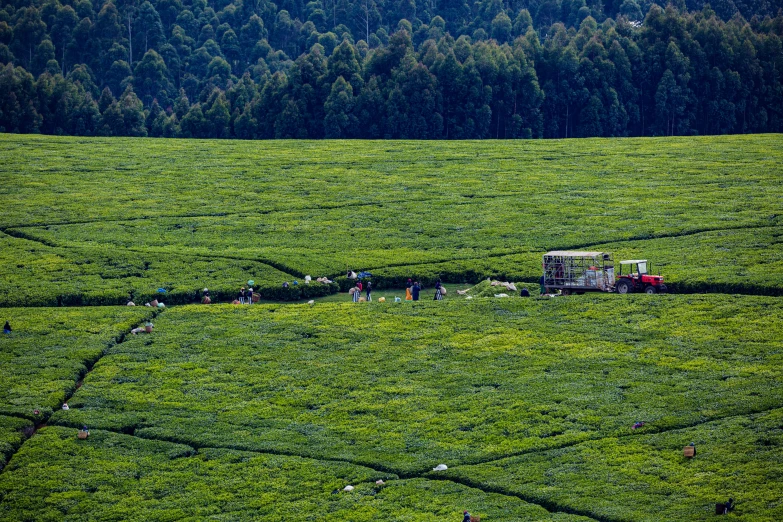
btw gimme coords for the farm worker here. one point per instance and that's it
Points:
(356, 294)
(285, 284)
(359, 286)
(249, 296)
(241, 296)
(7, 328)
(142, 329)
(408, 296)
(415, 289)
(465, 516)
(206, 292)
(438, 295)
(541, 284)
(369, 290)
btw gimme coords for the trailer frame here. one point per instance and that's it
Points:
(578, 272)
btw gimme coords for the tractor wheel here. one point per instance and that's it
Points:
(624, 287)
(650, 290)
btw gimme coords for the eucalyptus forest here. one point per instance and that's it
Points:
(430, 69)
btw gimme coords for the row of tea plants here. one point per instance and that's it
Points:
(405, 386)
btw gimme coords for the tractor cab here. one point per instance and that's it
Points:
(634, 267)
(633, 277)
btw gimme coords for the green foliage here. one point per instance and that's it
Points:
(11, 436)
(101, 276)
(178, 216)
(50, 349)
(406, 386)
(646, 477)
(113, 476)
(436, 70)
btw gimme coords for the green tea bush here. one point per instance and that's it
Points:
(41, 275)
(12, 434)
(646, 477)
(506, 268)
(50, 349)
(113, 476)
(296, 292)
(742, 261)
(404, 386)
(708, 207)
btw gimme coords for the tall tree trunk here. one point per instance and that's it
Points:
(130, 43)
(497, 125)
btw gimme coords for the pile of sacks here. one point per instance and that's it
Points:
(489, 288)
(509, 286)
(320, 280)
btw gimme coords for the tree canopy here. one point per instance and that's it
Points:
(421, 69)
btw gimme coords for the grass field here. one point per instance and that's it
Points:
(268, 412)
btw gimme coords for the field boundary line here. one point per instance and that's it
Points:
(575, 247)
(10, 231)
(618, 437)
(673, 235)
(550, 507)
(211, 214)
(132, 432)
(37, 425)
(181, 255)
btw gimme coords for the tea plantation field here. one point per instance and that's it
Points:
(555, 409)
(91, 220)
(529, 402)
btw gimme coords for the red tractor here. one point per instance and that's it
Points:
(637, 279)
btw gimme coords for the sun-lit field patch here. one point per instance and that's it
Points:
(406, 386)
(646, 477)
(50, 349)
(41, 275)
(114, 476)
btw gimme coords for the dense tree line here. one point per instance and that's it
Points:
(426, 69)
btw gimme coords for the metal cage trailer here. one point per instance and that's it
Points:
(578, 272)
